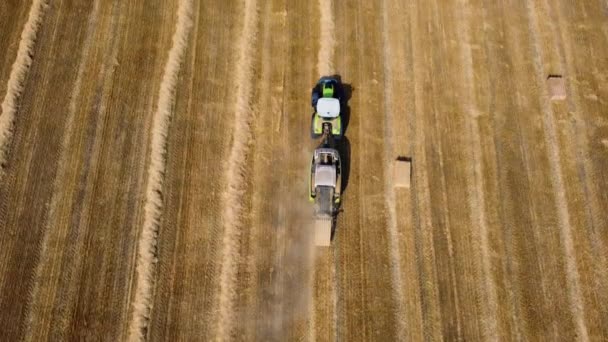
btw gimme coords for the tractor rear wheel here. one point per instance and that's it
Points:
(313, 135)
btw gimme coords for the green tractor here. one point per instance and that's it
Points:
(326, 101)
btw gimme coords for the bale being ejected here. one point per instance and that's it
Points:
(326, 100)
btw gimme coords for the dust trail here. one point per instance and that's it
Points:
(390, 199)
(235, 173)
(327, 43)
(16, 80)
(477, 204)
(153, 207)
(447, 227)
(575, 297)
(334, 293)
(293, 263)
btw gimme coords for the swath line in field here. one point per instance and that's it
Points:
(34, 310)
(16, 80)
(575, 297)
(236, 172)
(327, 42)
(390, 198)
(153, 205)
(432, 316)
(476, 187)
(445, 223)
(595, 215)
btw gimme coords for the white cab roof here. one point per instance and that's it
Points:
(328, 107)
(325, 175)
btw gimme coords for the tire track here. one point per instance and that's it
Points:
(153, 206)
(236, 172)
(427, 265)
(585, 116)
(259, 285)
(504, 143)
(34, 314)
(477, 205)
(568, 58)
(18, 74)
(390, 200)
(441, 191)
(325, 62)
(575, 297)
(34, 156)
(366, 308)
(402, 103)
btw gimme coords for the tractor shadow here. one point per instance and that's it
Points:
(343, 147)
(345, 96)
(348, 92)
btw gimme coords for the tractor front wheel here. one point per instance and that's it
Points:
(313, 135)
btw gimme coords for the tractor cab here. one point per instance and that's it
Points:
(327, 87)
(326, 98)
(328, 108)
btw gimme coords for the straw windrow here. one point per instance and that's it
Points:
(17, 77)
(236, 171)
(153, 206)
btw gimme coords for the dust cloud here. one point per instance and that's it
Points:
(290, 294)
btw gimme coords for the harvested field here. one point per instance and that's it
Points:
(154, 185)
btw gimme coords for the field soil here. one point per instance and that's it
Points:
(502, 234)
